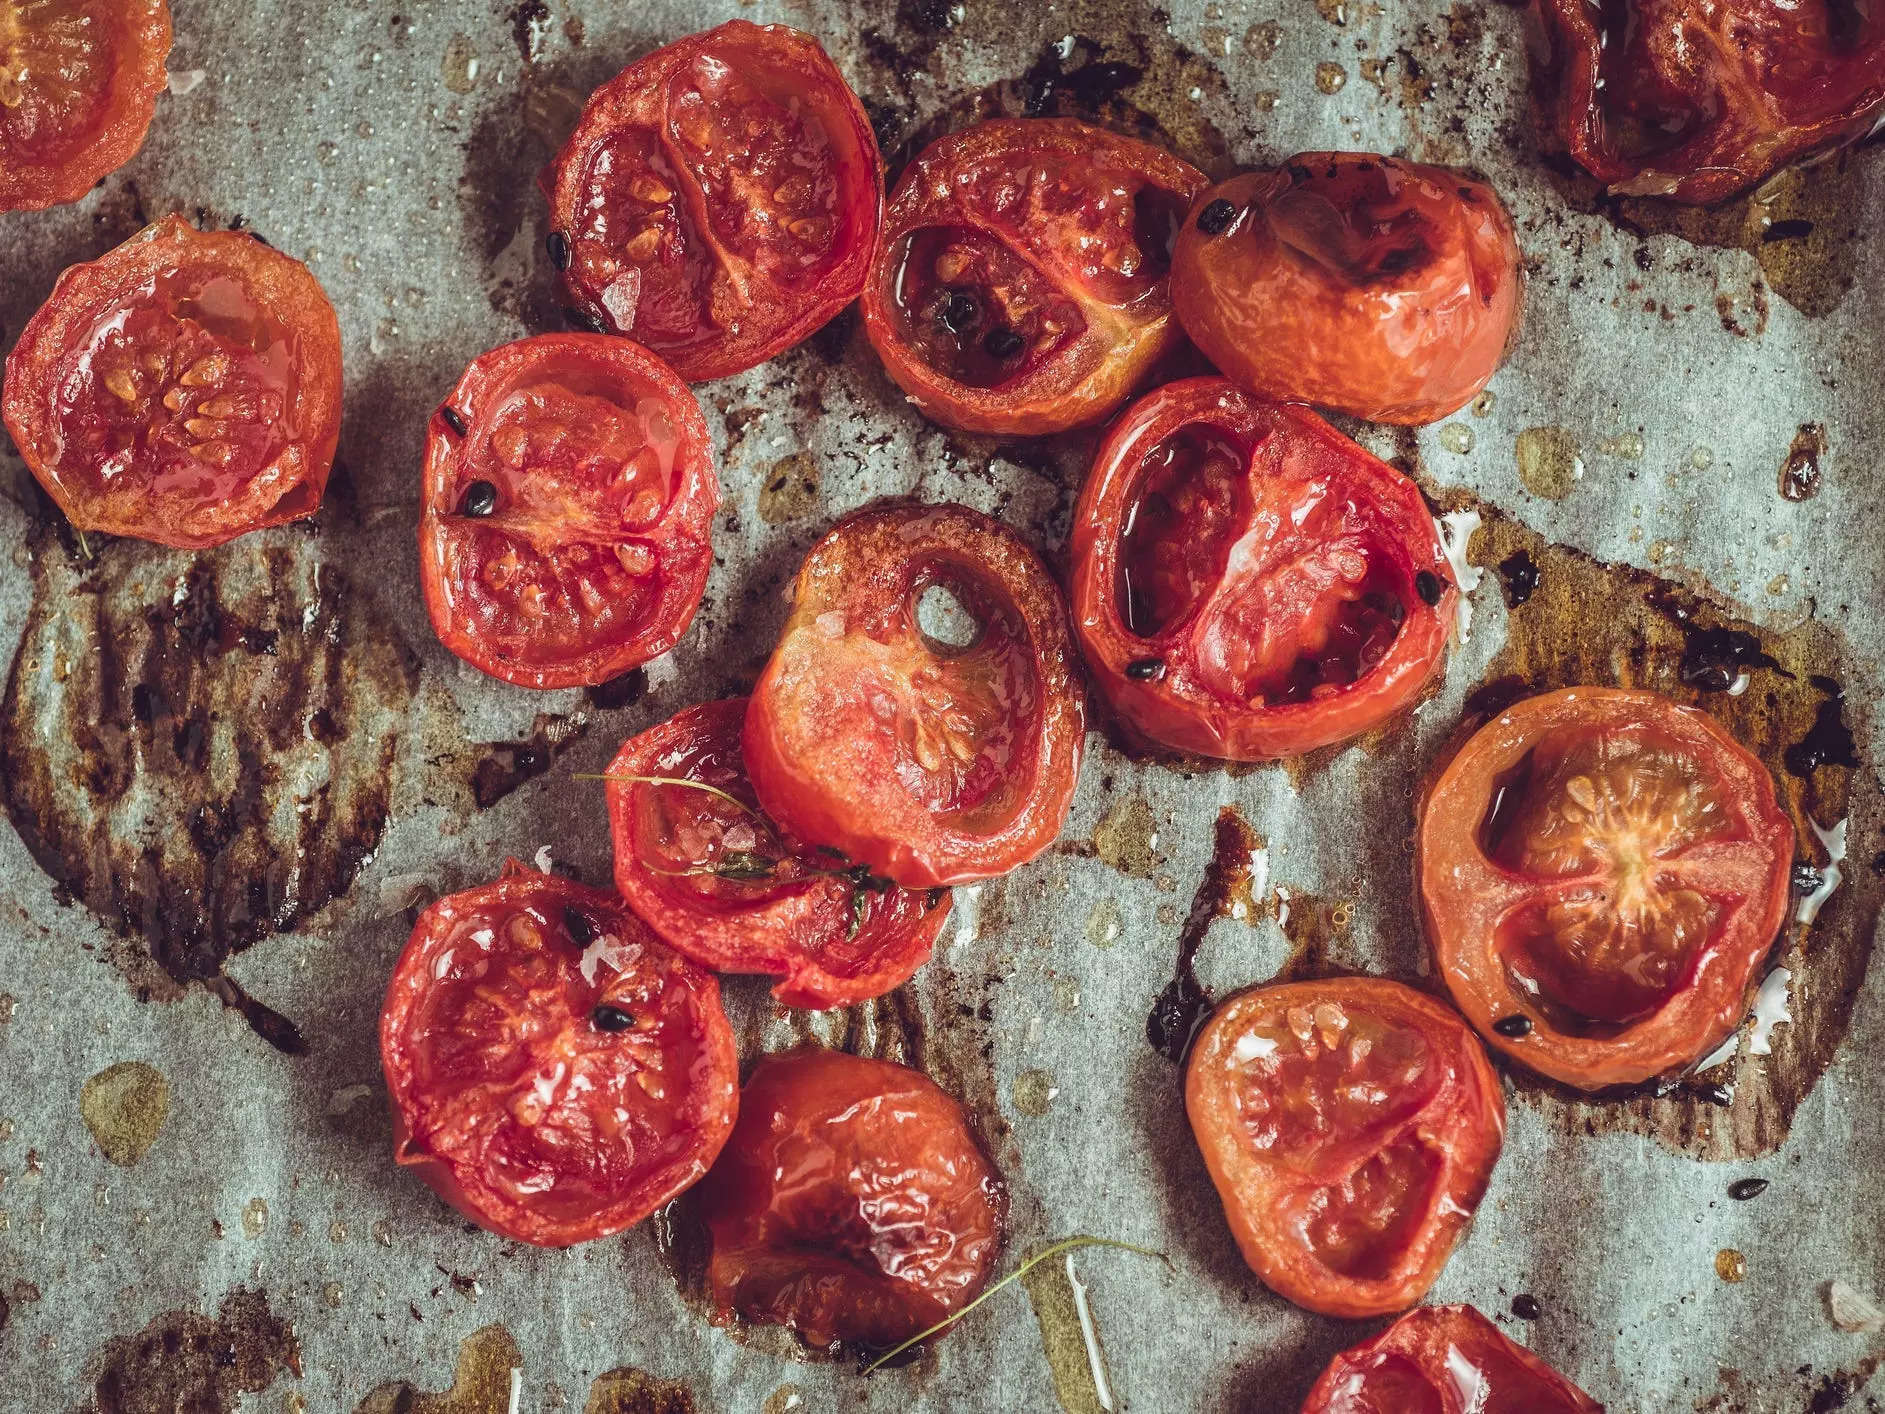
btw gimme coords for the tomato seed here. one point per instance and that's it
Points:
(480, 499)
(1514, 1026)
(1216, 217)
(1525, 1306)
(1743, 1189)
(611, 1018)
(959, 313)
(558, 244)
(1003, 342)
(1145, 669)
(454, 419)
(1428, 586)
(576, 923)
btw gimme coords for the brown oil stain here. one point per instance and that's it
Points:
(1077, 1368)
(503, 766)
(184, 1360)
(1127, 838)
(790, 490)
(481, 1383)
(1800, 472)
(1550, 461)
(1317, 928)
(627, 1390)
(1731, 1265)
(786, 1399)
(124, 1106)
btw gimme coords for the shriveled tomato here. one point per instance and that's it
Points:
(1350, 1126)
(1701, 99)
(928, 762)
(719, 199)
(1602, 872)
(1444, 1360)
(569, 500)
(1022, 285)
(182, 388)
(852, 1203)
(1247, 582)
(556, 1072)
(1389, 290)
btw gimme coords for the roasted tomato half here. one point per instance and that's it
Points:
(79, 81)
(719, 199)
(1601, 873)
(182, 388)
(1444, 1360)
(556, 1072)
(929, 760)
(1022, 282)
(1350, 1126)
(697, 858)
(569, 500)
(1247, 582)
(1701, 99)
(852, 1203)
(1384, 289)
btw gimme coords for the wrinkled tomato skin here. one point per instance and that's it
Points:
(183, 388)
(716, 259)
(1355, 1215)
(1293, 543)
(78, 88)
(504, 1086)
(1699, 100)
(1384, 289)
(596, 552)
(1629, 944)
(853, 1203)
(1058, 233)
(927, 765)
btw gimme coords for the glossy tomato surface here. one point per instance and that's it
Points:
(1250, 584)
(719, 199)
(1700, 99)
(1611, 867)
(852, 1203)
(1350, 1126)
(1022, 285)
(182, 388)
(556, 1072)
(569, 500)
(1385, 289)
(929, 762)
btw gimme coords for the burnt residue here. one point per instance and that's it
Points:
(481, 1383)
(1800, 469)
(503, 766)
(1182, 1006)
(627, 1390)
(618, 692)
(530, 21)
(1518, 577)
(1828, 742)
(185, 1360)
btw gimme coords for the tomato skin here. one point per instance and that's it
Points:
(1481, 911)
(929, 767)
(641, 159)
(989, 185)
(144, 362)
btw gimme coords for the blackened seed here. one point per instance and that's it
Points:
(480, 499)
(1216, 217)
(1515, 1025)
(1429, 586)
(558, 245)
(959, 312)
(1003, 342)
(1743, 1189)
(1525, 1306)
(611, 1018)
(454, 419)
(583, 319)
(1714, 1094)
(576, 923)
(1145, 669)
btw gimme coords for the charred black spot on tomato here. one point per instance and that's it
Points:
(558, 246)
(1183, 1005)
(1519, 577)
(1003, 342)
(1513, 1026)
(186, 1360)
(1145, 669)
(454, 419)
(480, 499)
(1430, 587)
(612, 1018)
(1743, 1189)
(1216, 217)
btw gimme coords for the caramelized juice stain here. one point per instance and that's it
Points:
(481, 1384)
(124, 1106)
(1127, 838)
(185, 1360)
(1182, 1006)
(627, 1390)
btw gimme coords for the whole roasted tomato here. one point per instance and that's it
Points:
(1701, 99)
(1601, 873)
(1021, 285)
(1247, 582)
(182, 388)
(569, 500)
(1444, 1360)
(556, 1072)
(79, 81)
(927, 761)
(1384, 289)
(852, 1203)
(719, 199)
(1350, 1126)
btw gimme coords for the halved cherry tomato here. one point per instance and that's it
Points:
(719, 199)
(1602, 871)
(1385, 289)
(1701, 99)
(1444, 1360)
(79, 81)
(1247, 582)
(569, 500)
(556, 1072)
(1022, 282)
(182, 388)
(1350, 1126)
(929, 763)
(852, 1203)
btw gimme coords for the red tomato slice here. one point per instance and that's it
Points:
(182, 388)
(1248, 583)
(79, 81)
(556, 1072)
(1350, 1126)
(1021, 286)
(1381, 288)
(1444, 1360)
(852, 1203)
(718, 200)
(925, 762)
(569, 500)
(1602, 871)
(720, 882)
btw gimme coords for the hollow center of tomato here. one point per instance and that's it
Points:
(1353, 226)
(1640, 114)
(1193, 502)
(976, 312)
